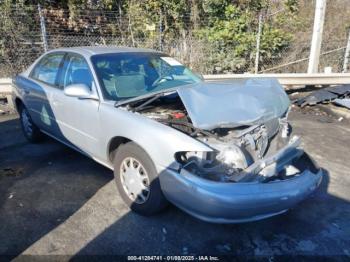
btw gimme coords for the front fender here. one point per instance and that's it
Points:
(159, 141)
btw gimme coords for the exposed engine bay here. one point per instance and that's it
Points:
(235, 149)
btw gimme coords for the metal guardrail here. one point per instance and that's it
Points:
(6, 90)
(287, 80)
(5, 86)
(290, 80)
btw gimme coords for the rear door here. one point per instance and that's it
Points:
(39, 91)
(78, 118)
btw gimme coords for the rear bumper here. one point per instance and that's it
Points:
(236, 202)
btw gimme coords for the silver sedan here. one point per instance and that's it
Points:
(222, 152)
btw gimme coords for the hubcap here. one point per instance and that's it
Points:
(27, 124)
(135, 180)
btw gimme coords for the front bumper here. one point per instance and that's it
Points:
(221, 202)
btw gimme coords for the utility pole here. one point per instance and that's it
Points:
(347, 55)
(257, 54)
(315, 51)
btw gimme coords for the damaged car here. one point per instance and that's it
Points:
(222, 152)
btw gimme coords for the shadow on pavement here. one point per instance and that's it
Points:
(41, 186)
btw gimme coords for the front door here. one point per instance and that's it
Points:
(78, 118)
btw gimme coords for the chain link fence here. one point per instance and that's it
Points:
(28, 31)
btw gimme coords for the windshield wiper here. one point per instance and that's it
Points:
(147, 100)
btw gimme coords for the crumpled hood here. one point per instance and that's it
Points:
(230, 104)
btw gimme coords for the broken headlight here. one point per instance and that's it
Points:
(222, 165)
(232, 156)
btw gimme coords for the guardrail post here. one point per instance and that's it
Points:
(6, 91)
(43, 28)
(160, 30)
(10, 101)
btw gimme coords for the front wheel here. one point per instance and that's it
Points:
(30, 130)
(137, 180)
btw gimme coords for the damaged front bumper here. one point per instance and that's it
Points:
(222, 202)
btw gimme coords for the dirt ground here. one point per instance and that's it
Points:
(55, 201)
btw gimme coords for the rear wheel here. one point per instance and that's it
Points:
(30, 130)
(137, 180)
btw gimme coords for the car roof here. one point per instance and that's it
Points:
(95, 50)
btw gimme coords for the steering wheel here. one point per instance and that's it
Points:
(161, 78)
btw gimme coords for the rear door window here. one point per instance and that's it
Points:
(47, 68)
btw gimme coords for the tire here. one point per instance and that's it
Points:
(145, 203)
(30, 130)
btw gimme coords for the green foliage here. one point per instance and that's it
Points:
(14, 29)
(236, 31)
(292, 5)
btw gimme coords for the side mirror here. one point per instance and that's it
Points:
(81, 91)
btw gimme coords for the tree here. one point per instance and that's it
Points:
(209, 35)
(231, 32)
(17, 38)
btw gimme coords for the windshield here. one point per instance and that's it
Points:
(127, 75)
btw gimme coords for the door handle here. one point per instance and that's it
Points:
(26, 91)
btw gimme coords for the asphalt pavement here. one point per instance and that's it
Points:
(55, 201)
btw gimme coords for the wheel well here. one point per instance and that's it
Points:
(114, 144)
(18, 103)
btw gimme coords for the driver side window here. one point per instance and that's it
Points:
(76, 71)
